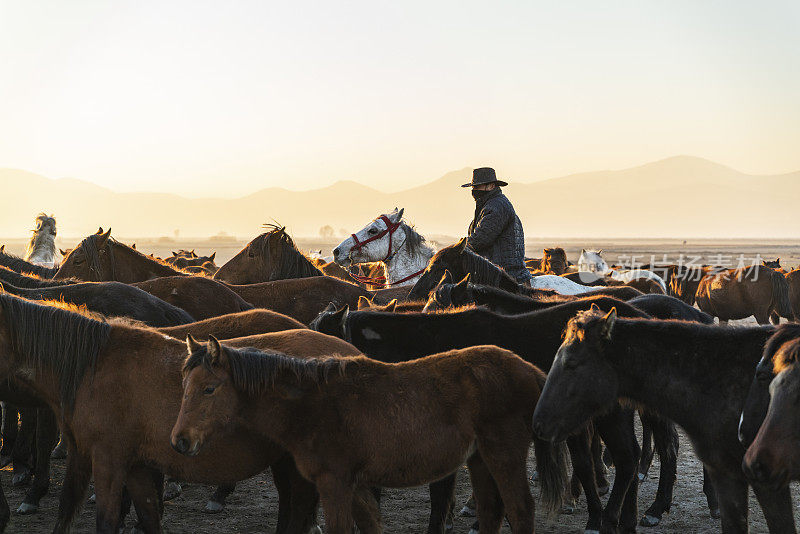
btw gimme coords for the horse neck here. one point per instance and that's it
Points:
(134, 267)
(298, 267)
(406, 262)
(672, 368)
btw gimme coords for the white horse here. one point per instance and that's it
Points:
(390, 240)
(41, 248)
(592, 260)
(562, 285)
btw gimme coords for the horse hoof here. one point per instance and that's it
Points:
(467, 512)
(715, 513)
(172, 490)
(602, 490)
(93, 498)
(21, 479)
(649, 521)
(642, 477)
(27, 508)
(213, 507)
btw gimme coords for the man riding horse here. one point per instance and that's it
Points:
(496, 232)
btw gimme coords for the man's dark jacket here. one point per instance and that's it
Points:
(496, 234)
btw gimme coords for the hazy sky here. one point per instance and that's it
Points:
(228, 97)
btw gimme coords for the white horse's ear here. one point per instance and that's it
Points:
(600, 251)
(399, 216)
(583, 251)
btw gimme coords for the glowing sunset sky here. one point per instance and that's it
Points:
(224, 98)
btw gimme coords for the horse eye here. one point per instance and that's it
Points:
(251, 253)
(372, 231)
(209, 390)
(78, 261)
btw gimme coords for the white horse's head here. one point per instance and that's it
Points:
(592, 260)
(372, 241)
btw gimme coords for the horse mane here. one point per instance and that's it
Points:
(254, 371)
(414, 241)
(31, 280)
(19, 265)
(58, 337)
(786, 355)
(783, 334)
(294, 263)
(484, 271)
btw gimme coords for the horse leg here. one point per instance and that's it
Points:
(109, 480)
(711, 495)
(5, 511)
(337, 497)
(23, 447)
(777, 506)
(616, 429)
(506, 461)
(732, 494)
(142, 484)
(648, 452)
(297, 499)
(46, 436)
(600, 469)
(216, 502)
(442, 498)
(73, 492)
(666, 441)
(580, 450)
(10, 430)
(366, 513)
(488, 504)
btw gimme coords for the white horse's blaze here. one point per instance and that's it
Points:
(591, 260)
(403, 264)
(562, 285)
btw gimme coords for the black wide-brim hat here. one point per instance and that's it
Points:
(483, 176)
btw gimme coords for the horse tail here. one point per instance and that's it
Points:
(551, 463)
(780, 295)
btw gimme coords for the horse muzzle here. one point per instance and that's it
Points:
(186, 447)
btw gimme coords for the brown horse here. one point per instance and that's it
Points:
(301, 298)
(472, 404)
(201, 297)
(337, 271)
(258, 321)
(740, 293)
(101, 258)
(793, 279)
(554, 261)
(94, 375)
(773, 457)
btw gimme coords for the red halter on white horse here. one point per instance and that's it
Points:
(390, 229)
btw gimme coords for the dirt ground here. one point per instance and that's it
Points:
(253, 507)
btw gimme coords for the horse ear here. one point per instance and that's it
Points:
(193, 254)
(3, 248)
(392, 306)
(363, 302)
(133, 246)
(399, 216)
(60, 250)
(447, 278)
(331, 307)
(213, 255)
(2, 289)
(174, 253)
(104, 239)
(594, 307)
(583, 251)
(192, 345)
(465, 281)
(461, 245)
(216, 352)
(100, 230)
(608, 323)
(600, 251)
(341, 317)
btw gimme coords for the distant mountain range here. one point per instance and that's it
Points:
(676, 197)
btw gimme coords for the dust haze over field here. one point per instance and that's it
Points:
(679, 197)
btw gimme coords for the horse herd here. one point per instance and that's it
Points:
(392, 366)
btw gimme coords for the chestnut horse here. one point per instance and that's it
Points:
(301, 298)
(554, 261)
(258, 321)
(95, 374)
(773, 456)
(200, 296)
(470, 405)
(740, 293)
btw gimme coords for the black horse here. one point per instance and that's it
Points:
(696, 375)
